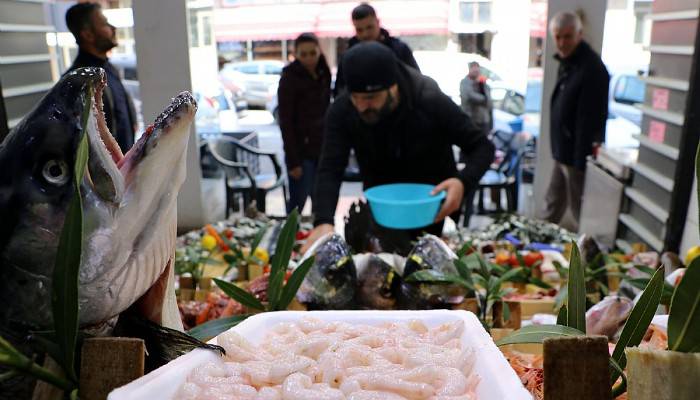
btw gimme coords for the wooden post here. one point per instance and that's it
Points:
(108, 363)
(515, 320)
(577, 368)
(662, 375)
(469, 304)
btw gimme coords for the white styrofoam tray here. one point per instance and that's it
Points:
(498, 380)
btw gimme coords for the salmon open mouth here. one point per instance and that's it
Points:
(130, 209)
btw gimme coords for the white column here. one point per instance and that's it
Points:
(593, 23)
(690, 233)
(329, 47)
(162, 52)
(510, 45)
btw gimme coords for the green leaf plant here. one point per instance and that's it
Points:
(279, 294)
(571, 320)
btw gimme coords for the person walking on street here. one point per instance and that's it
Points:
(402, 129)
(304, 94)
(368, 28)
(476, 98)
(579, 110)
(475, 95)
(95, 38)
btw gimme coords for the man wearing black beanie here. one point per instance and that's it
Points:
(402, 129)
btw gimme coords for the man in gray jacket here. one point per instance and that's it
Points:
(476, 98)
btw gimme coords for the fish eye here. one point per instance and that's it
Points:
(56, 172)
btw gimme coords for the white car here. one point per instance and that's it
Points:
(259, 78)
(449, 68)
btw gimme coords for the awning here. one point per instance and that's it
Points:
(398, 17)
(326, 19)
(538, 19)
(264, 22)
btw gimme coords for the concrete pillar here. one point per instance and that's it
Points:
(593, 23)
(329, 48)
(510, 45)
(164, 70)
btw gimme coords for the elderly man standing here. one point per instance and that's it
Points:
(579, 110)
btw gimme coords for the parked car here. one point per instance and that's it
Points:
(624, 119)
(216, 111)
(218, 107)
(627, 90)
(258, 78)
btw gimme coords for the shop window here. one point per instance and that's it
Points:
(194, 29)
(206, 30)
(475, 12)
(642, 23)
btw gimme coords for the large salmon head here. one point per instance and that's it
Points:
(129, 207)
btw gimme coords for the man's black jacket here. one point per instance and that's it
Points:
(120, 114)
(401, 50)
(413, 144)
(579, 106)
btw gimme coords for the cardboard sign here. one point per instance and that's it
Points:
(659, 99)
(657, 131)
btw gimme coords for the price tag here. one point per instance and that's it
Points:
(657, 131)
(659, 99)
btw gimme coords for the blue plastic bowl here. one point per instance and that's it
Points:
(404, 205)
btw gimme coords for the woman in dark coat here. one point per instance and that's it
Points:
(304, 96)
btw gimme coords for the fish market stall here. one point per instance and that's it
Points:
(513, 274)
(239, 311)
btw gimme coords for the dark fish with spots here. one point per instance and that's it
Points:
(377, 280)
(430, 253)
(332, 281)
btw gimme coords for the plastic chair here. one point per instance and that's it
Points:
(243, 178)
(502, 177)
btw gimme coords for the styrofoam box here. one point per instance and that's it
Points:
(498, 380)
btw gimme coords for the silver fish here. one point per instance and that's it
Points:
(128, 201)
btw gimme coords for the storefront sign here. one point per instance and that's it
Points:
(659, 99)
(657, 131)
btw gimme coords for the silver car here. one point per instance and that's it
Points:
(258, 78)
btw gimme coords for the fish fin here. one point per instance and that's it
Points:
(162, 344)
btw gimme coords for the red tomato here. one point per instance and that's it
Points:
(514, 262)
(532, 257)
(301, 235)
(228, 233)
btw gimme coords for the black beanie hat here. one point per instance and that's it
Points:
(369, 67)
